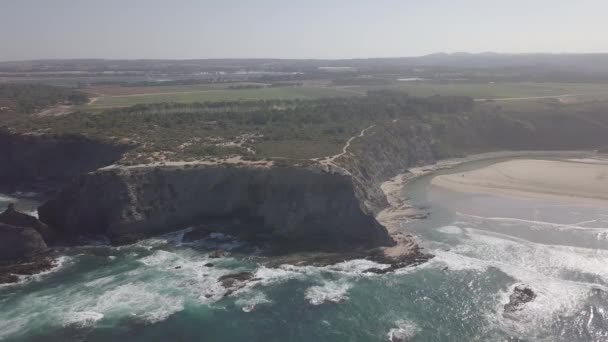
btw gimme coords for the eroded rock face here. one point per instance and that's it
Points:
(41, 157)
(384, 152)
(521, 295)
(19, 242)
(14, 218)
(294, 204)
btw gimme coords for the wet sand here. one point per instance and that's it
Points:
(581, 180)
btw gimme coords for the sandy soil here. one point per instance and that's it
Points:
(584, 179)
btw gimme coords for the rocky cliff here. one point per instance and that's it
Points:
(385, 151)
(304, 205)
(318, 205)
(41, 157)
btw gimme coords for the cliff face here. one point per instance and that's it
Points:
(35, 157)
(295, 204)
(382, 153)
(306, 205)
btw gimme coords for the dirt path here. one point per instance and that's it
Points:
(232, 161)
(330, 161)
(536, 97)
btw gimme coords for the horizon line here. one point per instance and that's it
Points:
(451, 54)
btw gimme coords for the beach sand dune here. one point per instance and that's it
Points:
(572, 179)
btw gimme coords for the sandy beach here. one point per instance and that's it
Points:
(573, 179)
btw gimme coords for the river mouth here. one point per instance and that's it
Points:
(556, 246)
(162, 289)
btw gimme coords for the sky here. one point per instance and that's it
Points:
(333, 29)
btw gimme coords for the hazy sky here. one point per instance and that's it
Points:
(32, 29)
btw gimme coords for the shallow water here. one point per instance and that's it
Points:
(160, 290)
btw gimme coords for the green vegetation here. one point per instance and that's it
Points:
(303, 124)
(29, 98)
(214, 95)
(494, 90)
(295, 129)
(114, 97)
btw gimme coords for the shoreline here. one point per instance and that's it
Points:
(400, 212)
(581, 180)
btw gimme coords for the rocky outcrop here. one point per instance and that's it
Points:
(17, 243)
(521, 295)
(304, 206)
(39, 157)
(14, 218)
(22, 246)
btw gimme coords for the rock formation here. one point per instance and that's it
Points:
(17, 243)
(328, 206)
(304, 205)
(14, 218)
(521, 295)
(42, 157)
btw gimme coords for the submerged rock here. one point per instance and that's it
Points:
(521, 295)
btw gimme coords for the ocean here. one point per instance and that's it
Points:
(163, 289)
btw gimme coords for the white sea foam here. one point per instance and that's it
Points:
(450, 230)
(138, 300)
(517, 255)
(33, 213)
(329, 291)
(354, 267)
(100, 281)
(7, 198)
(160, 257)
(404, 331)
(532, 223)
(60, 263)
(12, 326)
(82, 319)
(541, 266)
(250, 301)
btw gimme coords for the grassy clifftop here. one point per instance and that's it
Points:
(295, 129)
(303, 130)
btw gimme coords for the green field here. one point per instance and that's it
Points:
(494, 90)
(190, 94)
(221, 95)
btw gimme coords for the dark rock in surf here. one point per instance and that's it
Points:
(15, 218)
(521, 295)
(235, 279)
(17, 243)
(376, 270)
(8, 278)
(218, 253)
(22, 248)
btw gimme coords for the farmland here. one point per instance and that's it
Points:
(494, 90)
(127, 96)
(112, 97)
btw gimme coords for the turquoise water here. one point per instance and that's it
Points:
(160, 290)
